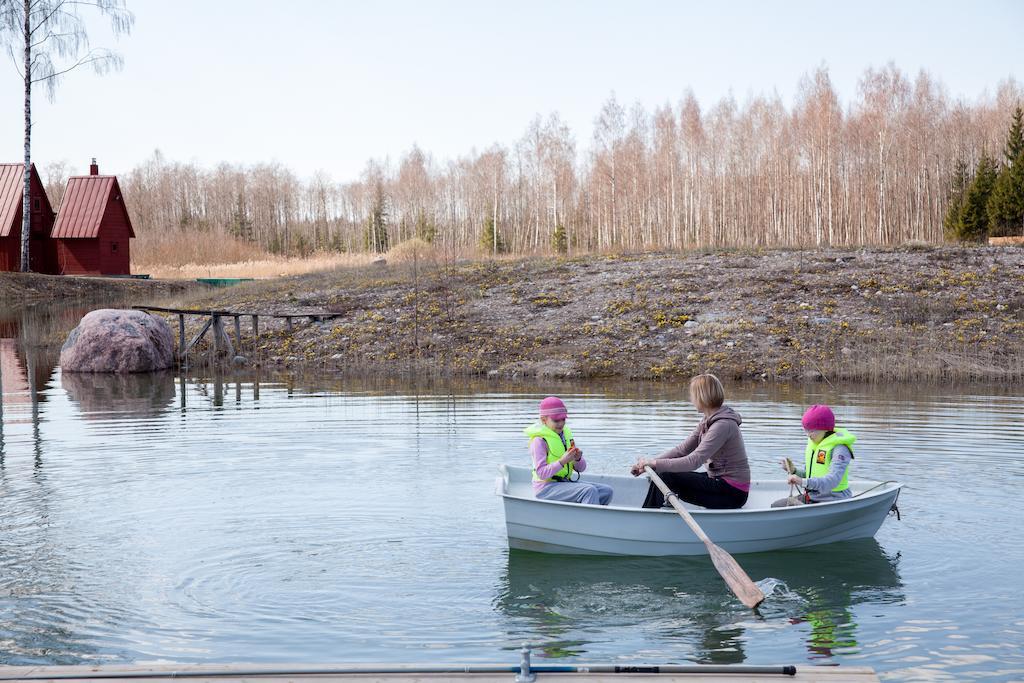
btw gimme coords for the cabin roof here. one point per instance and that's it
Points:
(82, 208)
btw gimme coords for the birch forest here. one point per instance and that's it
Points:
(752, 173)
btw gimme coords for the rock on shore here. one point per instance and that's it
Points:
(120, 341)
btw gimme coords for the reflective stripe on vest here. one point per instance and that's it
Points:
(556, 449)
(818, 457)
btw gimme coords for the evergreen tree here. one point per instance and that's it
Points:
(425, 228)
(560, 240)
(1014, 138)
(961, 179)
(376, 237)
(489, 240)
(974, 213)
(1006, 205)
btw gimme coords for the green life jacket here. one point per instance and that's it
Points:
(556, 448)
(818, 457)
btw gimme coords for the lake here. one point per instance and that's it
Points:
(291, 519)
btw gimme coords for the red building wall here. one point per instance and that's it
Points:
(107, 254)
(42, 250)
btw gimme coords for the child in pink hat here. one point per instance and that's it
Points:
(825, 474)
(557, 460)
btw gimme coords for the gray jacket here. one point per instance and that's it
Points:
(716, 441)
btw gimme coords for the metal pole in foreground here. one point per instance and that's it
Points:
(525, 675)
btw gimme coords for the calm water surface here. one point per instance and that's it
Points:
(154, 518)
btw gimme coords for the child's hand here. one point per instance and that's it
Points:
(787, 466)
(794, 480)
(576, 453)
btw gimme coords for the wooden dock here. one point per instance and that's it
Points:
(215, 325)
(398, 674)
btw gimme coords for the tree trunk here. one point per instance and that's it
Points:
(26, 200)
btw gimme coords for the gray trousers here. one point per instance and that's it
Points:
(577, 492)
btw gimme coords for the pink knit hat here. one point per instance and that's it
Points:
(819, 417)
(552, 406)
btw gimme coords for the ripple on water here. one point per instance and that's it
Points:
(362, 527)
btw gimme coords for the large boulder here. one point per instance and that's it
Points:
(111, 340)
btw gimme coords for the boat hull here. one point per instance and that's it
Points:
(624, 528)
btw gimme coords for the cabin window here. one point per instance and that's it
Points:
(113, 246)
(35, 204)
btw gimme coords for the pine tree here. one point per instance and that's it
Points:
(1006, 205)
(974, 213)
(426, 230)
(560, 240)
(376, 237)
(961, 179)
(489, 240)
(1014, 138)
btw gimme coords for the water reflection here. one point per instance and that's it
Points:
(684, 603)
(105, 395)
(26, 369)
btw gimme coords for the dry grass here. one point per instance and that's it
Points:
(183, 256)
(175, 248)
(262, 268)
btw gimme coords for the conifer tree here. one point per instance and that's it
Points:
(961, 179)
(1014, 138)
(974, 213)
(560, 240)
(376, 224)
(1006, 205)
(489, 240)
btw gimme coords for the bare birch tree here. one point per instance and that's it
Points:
(47, 39)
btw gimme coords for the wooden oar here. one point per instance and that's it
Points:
(737, 579)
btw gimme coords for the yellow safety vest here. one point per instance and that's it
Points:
(556, 448)
(818, 457)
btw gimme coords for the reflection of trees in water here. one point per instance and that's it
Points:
(684, 601)
(101, 395)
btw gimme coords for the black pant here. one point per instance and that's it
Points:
(699, 489)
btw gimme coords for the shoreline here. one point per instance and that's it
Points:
(917, 314)
(25, 289)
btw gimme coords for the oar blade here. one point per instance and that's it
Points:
(745, 589)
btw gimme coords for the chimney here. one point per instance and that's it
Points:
(94, 168)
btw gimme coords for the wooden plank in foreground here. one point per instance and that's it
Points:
(263, 673)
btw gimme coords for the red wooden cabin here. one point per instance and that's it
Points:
(42, 251)
(93, 228)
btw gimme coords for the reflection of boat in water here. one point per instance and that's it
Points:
(625, 528)
(571, 605)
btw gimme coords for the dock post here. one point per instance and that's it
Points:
(218, 327)
(288, 323)
(255, 333)
(238, 333)
(181, 336)
(220, 337)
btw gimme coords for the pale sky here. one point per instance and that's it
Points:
(322, 85)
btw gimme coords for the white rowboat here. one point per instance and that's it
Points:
(625, 528)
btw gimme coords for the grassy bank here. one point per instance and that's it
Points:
(917, 314)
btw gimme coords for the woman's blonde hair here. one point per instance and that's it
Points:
(706, 392)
